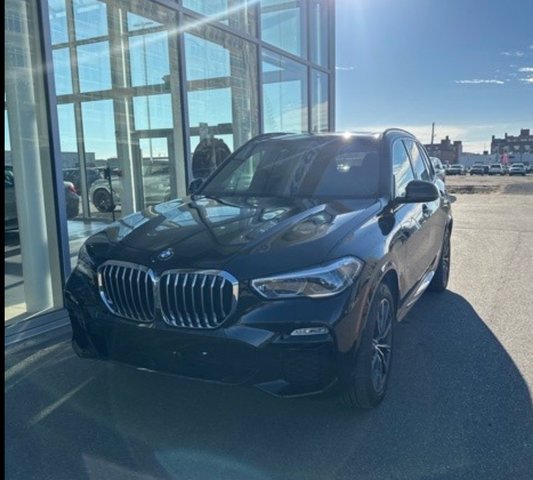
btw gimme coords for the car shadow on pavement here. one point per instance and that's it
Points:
(457, 408)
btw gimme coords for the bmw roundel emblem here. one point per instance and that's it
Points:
(166, 254)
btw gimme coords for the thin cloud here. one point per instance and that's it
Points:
(345, 69)
(517, 53)
(479, 81)
(527, 80)
(526, 69)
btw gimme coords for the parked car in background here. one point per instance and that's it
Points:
(72, 200)
(74, 175)
(479, 169)
(517, 169)
(529, 168)
(287, 269)
(156, 187)
(456, 169)
(440, 171)
(496, 169)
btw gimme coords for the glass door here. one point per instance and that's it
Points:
(154, 181)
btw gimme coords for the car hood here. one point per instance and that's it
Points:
(243, 235)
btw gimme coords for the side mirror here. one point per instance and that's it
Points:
(195, 185)
(418, 191)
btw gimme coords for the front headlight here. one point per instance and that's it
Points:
(85, 264)
(318, 282)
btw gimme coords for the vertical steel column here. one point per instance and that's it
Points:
(122, 111)
(58, 240)
(24, 101)
(309, 36)
(331, 65)
(184, 98)
(80, 137)
(259, 68)
(177, 158)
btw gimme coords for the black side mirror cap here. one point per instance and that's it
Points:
(419, 191)
(195, 185)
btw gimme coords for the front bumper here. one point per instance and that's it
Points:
(254, 347)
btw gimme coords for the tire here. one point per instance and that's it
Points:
(103, 201)
(442, 274)
(367, 384)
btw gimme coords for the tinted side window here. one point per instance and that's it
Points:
(419, 166)
(429, 165)
(401, 168)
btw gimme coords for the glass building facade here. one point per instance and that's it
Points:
(111, 106)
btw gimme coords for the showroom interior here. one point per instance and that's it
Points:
(112, 106)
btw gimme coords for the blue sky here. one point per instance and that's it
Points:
(466, 65)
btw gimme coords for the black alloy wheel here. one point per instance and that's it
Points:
(442, 274)
(382, 346)
(103, 201)
(368, 382)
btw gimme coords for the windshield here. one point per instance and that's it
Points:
(302, 167)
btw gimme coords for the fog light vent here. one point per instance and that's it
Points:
(309, 331)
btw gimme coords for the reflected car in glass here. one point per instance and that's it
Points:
(155, 183)
(287, 269)
(74, 175)
(72, 200)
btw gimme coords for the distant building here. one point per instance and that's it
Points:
(446, 150)
(513, 145)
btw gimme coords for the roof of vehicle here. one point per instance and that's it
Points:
(376, 135)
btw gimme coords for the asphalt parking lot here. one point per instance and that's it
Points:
(458, 405)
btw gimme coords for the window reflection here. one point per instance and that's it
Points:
(238, 14)
(58, 21)
(149, 58)
(94, 67)
(62, 73)
(401, 168)
(284, 94)
(152, 111)
(319, 18)
(90, 18)
(282, 25)
(222, 94)
(320, 106)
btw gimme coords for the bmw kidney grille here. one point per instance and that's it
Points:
(188, 299)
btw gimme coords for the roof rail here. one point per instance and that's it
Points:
(394, 129)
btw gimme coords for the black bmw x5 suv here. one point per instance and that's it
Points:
(286, 269)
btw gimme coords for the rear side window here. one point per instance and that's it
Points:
(420, 167)
(401, 168)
